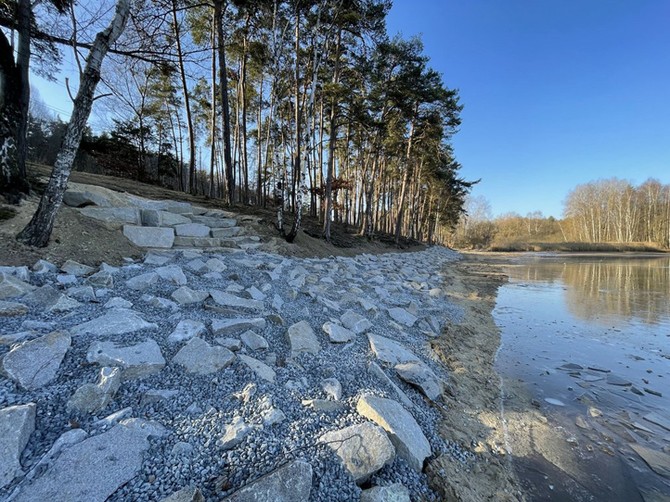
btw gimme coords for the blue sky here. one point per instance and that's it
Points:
(556, 92)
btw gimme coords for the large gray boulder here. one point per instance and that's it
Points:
(136, 361)
(192, 230)
(188, 296)
(113, 217)
(225, 327)
(93, 469)
(172, 273)
(421, 376)
(142, 282)
(11, 287)
(363, 449)
(302, 339)
(401, 316)
(229, 300)
(35, 363)
(261, 369)
(90, 398)
(17, 423)
(49, 299)
(158, 218)
(187, 329)
(149, 237)
(290, 483)
(403, 430)
(390, 351)
(197, 356)
(355, 322)
(77, 269)
(214, 222)
(114, 322)
(337, 333)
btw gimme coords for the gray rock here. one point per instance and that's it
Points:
(35, 363)
(290, 483)
(375, 370)
(187, 329)
(93, 469)
(405, 434)
(158, 218)
(215, 265)
(91, 398)
(261, 369)
(234, 434)
(421, 376)
(230, 343)
(17, 423)
(21, 273)
(160, 303)
(11, 287)
(158, 257)
(332, 387)
(391, 493)
(80, 195)
(228, 300)
(115, 322)
(136, 361)
(172, 273)
(49, 299)
(192, 230)
(322, 405)
(118, 303)
(158, 395)
(66, 279)
(197, 356)
(198, 242)
(198, 266)
(188, 494)
(150, 237)
(272, 416)
(355, 322)
(402, 316)
(363, 448)
(77, 269)
(101, 279)
(113, 217)
(142, 282)
(302, 339)
(214, 222)
(225, 327)
(337, 333)
(390, 351)
(226, 233)
(43, 267)
(254, 341)
(12, 309)
(83, 293)
(188, 296)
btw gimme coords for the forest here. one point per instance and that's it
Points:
(606, 211)
(302, 106)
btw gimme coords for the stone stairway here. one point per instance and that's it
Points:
(161, 223)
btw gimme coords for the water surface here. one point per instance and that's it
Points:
(589, 339)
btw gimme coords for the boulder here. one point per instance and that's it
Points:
(403, 430)
(188, 296)
(12, 309)
(390, 351)
(234, 434)
(80, 195)
(396, 492)
(113, 217)
(188, 494)
(402, 316)
(337, 333)
(118, 303)
(421, 376)
(101, 279)
(156, 257)
(149, 237)
(142, 282)
(136, 361)
(332, 387)
(49, 299)
(225, 327)
(215, 265)
(192, 230)
(94, 468)
(322, 405)
(11, 287)
(302, 339)
(187, 329)
(290, 483)
(17, 423)
(35, 363)
(91, 398)
(43, 267)
(114, 322)
(375, 370)
(261, 369)
(172, 273)
(77, 269)
(355, 322)
(82, 293)
(158, 218)
(229, 300)
(226, 233)
(363, 449)
(197, 356)
(214, 222)
(254, 341)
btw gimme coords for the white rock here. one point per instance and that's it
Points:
(261, 369)
(187, 329)
(11, 287)
(136, 361)
(290, 483)
(402, 316)
(390, 351)
(215, 265)
(77, 269)
(363, 449)
(118, 303)
(197, 356)
(115, 322)
(230, 343)
(143, 281)
(172, 273)
(405, 434)
(188, 296)
(101, 279)
(17, 423)
(421, 376)
(302, 339)
(332, 387)
(91, 398)
(228, 300)
(375, 370)
(192, 230)
(43, 267)
(355, 322)
(223, 327)
(396, 492)
(35, 363)
(234, 434)
(272, 417)
(149, 237)
(254, 341)
(337, 333)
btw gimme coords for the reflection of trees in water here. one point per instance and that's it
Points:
(630, 288)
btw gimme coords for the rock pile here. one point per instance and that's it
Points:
(197, 376)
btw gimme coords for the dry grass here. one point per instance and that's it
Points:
(579, 247)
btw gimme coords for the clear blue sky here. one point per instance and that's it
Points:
(556, 92)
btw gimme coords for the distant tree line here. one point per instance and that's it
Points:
(603, 211)
(300, 105)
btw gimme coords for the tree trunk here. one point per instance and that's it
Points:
(223, 89)
(187, 101)
(212, 121)
(39, 229)
(405, 180)
(332, 135)
(290, 237)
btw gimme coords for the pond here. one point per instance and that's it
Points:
(587, 339)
